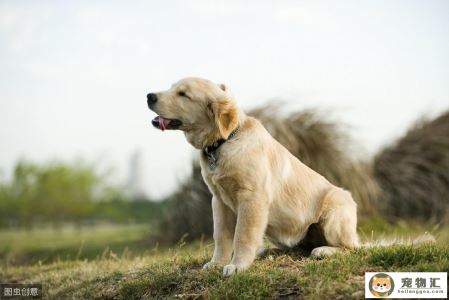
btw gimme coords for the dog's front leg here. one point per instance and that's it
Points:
(224, 227)
(252, 218)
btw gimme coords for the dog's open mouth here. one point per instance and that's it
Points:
(164, 123)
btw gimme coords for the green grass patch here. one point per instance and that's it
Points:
(150, 273)
(44, 245)
(178, 273)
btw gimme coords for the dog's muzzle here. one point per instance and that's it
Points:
(161, 122)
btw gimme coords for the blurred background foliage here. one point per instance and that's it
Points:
(413, 172)
(56, 193)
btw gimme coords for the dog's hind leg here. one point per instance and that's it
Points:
(338, 221)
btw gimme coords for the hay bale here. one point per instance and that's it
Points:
(318, 143)
(413, 173)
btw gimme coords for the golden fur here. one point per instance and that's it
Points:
(259, 188)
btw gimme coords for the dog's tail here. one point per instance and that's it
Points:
(425, 239)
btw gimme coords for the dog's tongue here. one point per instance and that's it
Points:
(163, 123)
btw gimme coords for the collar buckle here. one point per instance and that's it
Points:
(209, 151)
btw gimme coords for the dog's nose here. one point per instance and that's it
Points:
(151, 99)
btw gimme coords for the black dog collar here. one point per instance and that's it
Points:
(209, 151)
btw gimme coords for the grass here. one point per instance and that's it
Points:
(377, 229)
(44, 245)
(177, 273)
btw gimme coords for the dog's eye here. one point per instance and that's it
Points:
(182, 94)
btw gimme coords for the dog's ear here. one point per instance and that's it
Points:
(225, 116)
(223, 87)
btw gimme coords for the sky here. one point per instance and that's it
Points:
(74, 74)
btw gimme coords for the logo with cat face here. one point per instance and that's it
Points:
(381, 285)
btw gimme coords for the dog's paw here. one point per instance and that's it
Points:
(210, 265)
(324, 251)
(230, 269)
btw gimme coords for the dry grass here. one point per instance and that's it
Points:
(414, 173)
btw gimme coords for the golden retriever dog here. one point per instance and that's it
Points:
(259, 188)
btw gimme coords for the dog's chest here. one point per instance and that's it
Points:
(225, 188)
(221, 186)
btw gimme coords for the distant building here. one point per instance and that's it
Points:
(135, 177)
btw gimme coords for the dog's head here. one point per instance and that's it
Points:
(205, 111)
